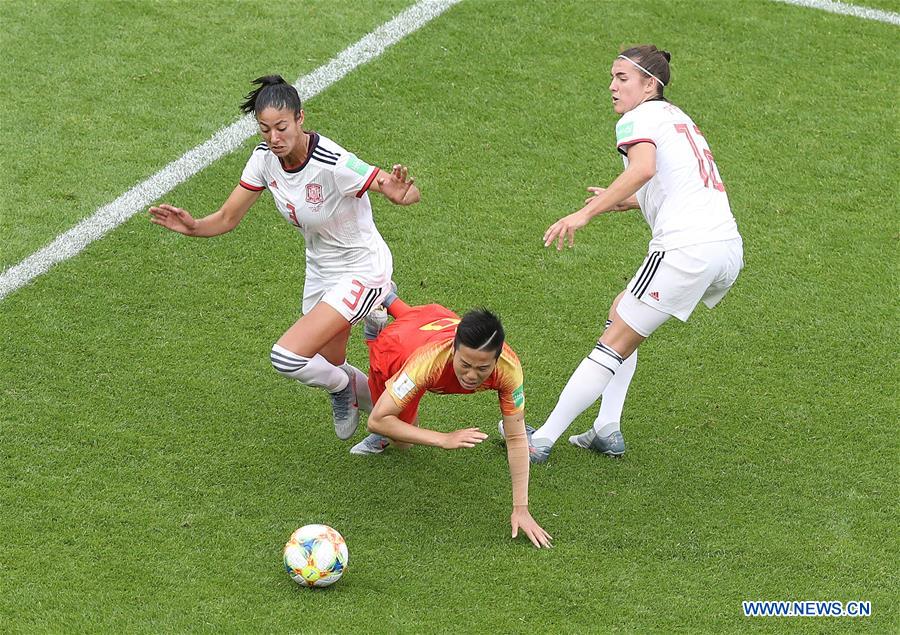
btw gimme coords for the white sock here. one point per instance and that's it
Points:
(313, 371)
(613, 401)
(583, 388)
(363, 395)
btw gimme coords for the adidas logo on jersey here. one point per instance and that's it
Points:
(273, 183)
(655, 295)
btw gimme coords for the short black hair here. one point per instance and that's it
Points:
(272, 92)
(480, 329)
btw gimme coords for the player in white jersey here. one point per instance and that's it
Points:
(321, 189)
(695, 255)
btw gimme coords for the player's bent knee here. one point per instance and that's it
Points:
(288, 363)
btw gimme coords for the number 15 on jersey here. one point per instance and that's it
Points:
(708, 170)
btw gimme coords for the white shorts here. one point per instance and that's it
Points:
(348, 296)
(676, 281)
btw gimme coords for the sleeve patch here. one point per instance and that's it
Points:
(360, 167)
(518, 396)
(624, 130)
(403, 386)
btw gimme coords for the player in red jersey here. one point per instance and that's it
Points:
(431, 349)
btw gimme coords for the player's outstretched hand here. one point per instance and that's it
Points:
(563, 230)
(173, 218)
(466, 438)
(521, 519)
(397, 185)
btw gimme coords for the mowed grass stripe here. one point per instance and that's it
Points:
(114, 109)
(222, 142)
(146, 435)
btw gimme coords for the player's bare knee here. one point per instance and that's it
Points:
(621, 338)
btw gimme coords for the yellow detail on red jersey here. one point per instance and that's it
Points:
(416, 353)
(430, 368)
(440, 325)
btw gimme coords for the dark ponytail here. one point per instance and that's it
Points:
(272, 92)
(655, 61)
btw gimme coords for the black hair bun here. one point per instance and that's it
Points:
(667, 55)
(269, 80)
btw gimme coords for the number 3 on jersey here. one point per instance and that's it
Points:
(353, 298)
(711, 176)
(293, 215)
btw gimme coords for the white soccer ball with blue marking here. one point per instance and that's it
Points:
(316, 555)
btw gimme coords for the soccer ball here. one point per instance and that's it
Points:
(315, 555)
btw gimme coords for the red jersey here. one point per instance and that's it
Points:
(414, 354)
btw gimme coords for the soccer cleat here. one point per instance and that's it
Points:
(536, 453)
(528, 431)
(377, 318)
(345, 410)
(372, 444)
(612, 445)
(539, 450)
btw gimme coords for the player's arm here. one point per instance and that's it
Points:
(222, 221)
(641, 168)
(517, 455)
(397, 186)
(385, 420)
(622, 206)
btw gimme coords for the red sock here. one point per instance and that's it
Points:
(398, 308)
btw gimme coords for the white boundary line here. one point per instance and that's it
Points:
(230, 138)
(847, 9)
(223, 142)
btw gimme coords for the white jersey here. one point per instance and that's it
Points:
(325, 199)
(685, 202)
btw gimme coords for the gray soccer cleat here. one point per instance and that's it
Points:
(377, 319)
(612, 445)
(372, 444)
(538, 452)
(345, 410)
(528, 431)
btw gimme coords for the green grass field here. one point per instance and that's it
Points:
(153, 464)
